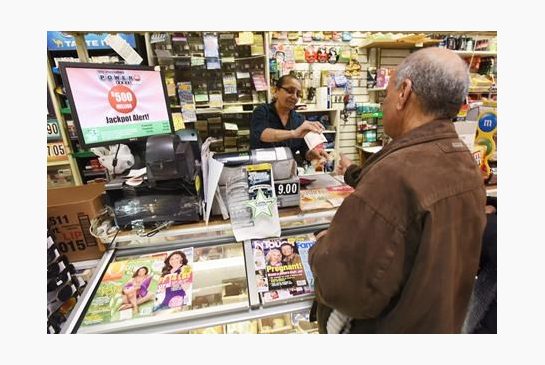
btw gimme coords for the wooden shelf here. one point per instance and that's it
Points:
(219, 111)
(481, 90)
(399, 44)
(476, 53)
(377, 89)
(368, 149)
(227, 103)
(57, 163)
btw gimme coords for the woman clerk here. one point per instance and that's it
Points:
(278, 125)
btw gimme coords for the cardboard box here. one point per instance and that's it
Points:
(69, 213)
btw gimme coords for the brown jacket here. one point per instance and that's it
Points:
(402, 251)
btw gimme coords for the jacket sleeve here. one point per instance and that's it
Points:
(358, 264)
(352, 175)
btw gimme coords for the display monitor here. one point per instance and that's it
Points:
(116, 103)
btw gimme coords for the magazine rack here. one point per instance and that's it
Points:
(224, 288)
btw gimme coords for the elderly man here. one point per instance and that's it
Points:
(402, 251)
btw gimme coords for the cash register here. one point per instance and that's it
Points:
(171, 190)
(284, 169)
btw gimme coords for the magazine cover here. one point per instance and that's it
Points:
(300, 254)
(126, 291)
(260, 266)
(283, 266)
(284, 294)
(174, 287)
(304, 245)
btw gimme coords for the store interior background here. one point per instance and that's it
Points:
(512, 41)
(214, 80)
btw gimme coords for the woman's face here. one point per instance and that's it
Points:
(276, 256)
(175, 260)
(288, 94)
(142, 272)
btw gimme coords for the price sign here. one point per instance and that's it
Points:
(56, 151)
(287, 188)
(122, 99)
(53, 131)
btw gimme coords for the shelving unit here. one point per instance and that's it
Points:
(175, 52)
(70, 161)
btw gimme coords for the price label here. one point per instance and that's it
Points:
(56, 151)
(53, 132)
(287, 188)
(122, 99)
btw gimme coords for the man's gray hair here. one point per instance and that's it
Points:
(440, 87)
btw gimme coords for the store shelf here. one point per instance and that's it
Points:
(481, 90)
(221, 58)
(92, 173)
(399, 44)
(326, 132)
(221, 111)
(369, 149)
(367, 128)
(225, 103)
(208, 317)
(476, 53)
(58, 163)
(371, 115)
(376, 89)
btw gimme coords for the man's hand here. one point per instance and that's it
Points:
(318, 158)
(317, 154)
(307, 127)
(343, 164)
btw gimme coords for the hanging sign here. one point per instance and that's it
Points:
(62, 41)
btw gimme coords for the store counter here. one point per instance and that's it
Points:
(222, 286)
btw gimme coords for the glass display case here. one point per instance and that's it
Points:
(134, 286)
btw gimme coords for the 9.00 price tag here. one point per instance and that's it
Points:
(56, 151)
(288, 188)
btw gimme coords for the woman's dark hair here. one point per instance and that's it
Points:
(289, 245)
(136, 272)
(281, 81)
(167, 267)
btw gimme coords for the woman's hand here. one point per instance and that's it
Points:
(306, 127)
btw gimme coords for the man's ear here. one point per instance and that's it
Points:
(405, 90)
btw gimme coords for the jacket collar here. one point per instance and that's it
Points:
(432, 131)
